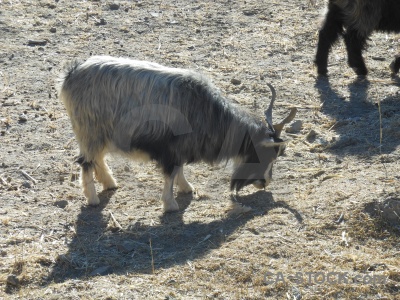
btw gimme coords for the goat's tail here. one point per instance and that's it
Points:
(62, 81)
(70, 68)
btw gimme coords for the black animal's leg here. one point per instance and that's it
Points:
(395, 65)
(328, 35)
(355, 43)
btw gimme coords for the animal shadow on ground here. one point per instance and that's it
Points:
(358, 119)
(101, 249)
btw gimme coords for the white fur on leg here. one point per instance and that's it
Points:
(183, 185)
(103, 175)
(169, 203)
(88, 187)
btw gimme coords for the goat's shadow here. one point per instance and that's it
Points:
(98, 249)
(357, 118)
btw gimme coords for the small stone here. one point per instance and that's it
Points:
(250, 12)
(53, 30)
(124, 30)
(26, 184)
(311, 136)
(22, 118)
(51, 5)
(101, 22)
(9, 102)
(236, 81)
(13, 280)
(295, 127)
(61, 203)
(127, 169)
(114, 6)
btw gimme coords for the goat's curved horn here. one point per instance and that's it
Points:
(268, 112)
(278, 127)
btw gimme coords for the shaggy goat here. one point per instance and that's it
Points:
(172, 116)
(360, 18)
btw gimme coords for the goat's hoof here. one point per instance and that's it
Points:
(259, 185)
(110, 185)
(110, 188)
(186, 189)
(95, 201)
(171, 207)
(361, 72)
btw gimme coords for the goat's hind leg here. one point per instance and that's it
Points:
(103, 173)
(87, 181)
(183, 185)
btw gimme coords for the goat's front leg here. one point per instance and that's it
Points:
(169, 203)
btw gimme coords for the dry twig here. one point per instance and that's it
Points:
(29, 177)
(116, 223)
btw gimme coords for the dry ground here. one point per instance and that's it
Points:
(327, 209)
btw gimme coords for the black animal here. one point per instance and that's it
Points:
(355, 20)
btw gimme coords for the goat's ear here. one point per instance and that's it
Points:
(278, 127)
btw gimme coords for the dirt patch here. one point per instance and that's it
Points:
(326, 210)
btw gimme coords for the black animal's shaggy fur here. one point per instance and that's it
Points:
(355, 20)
